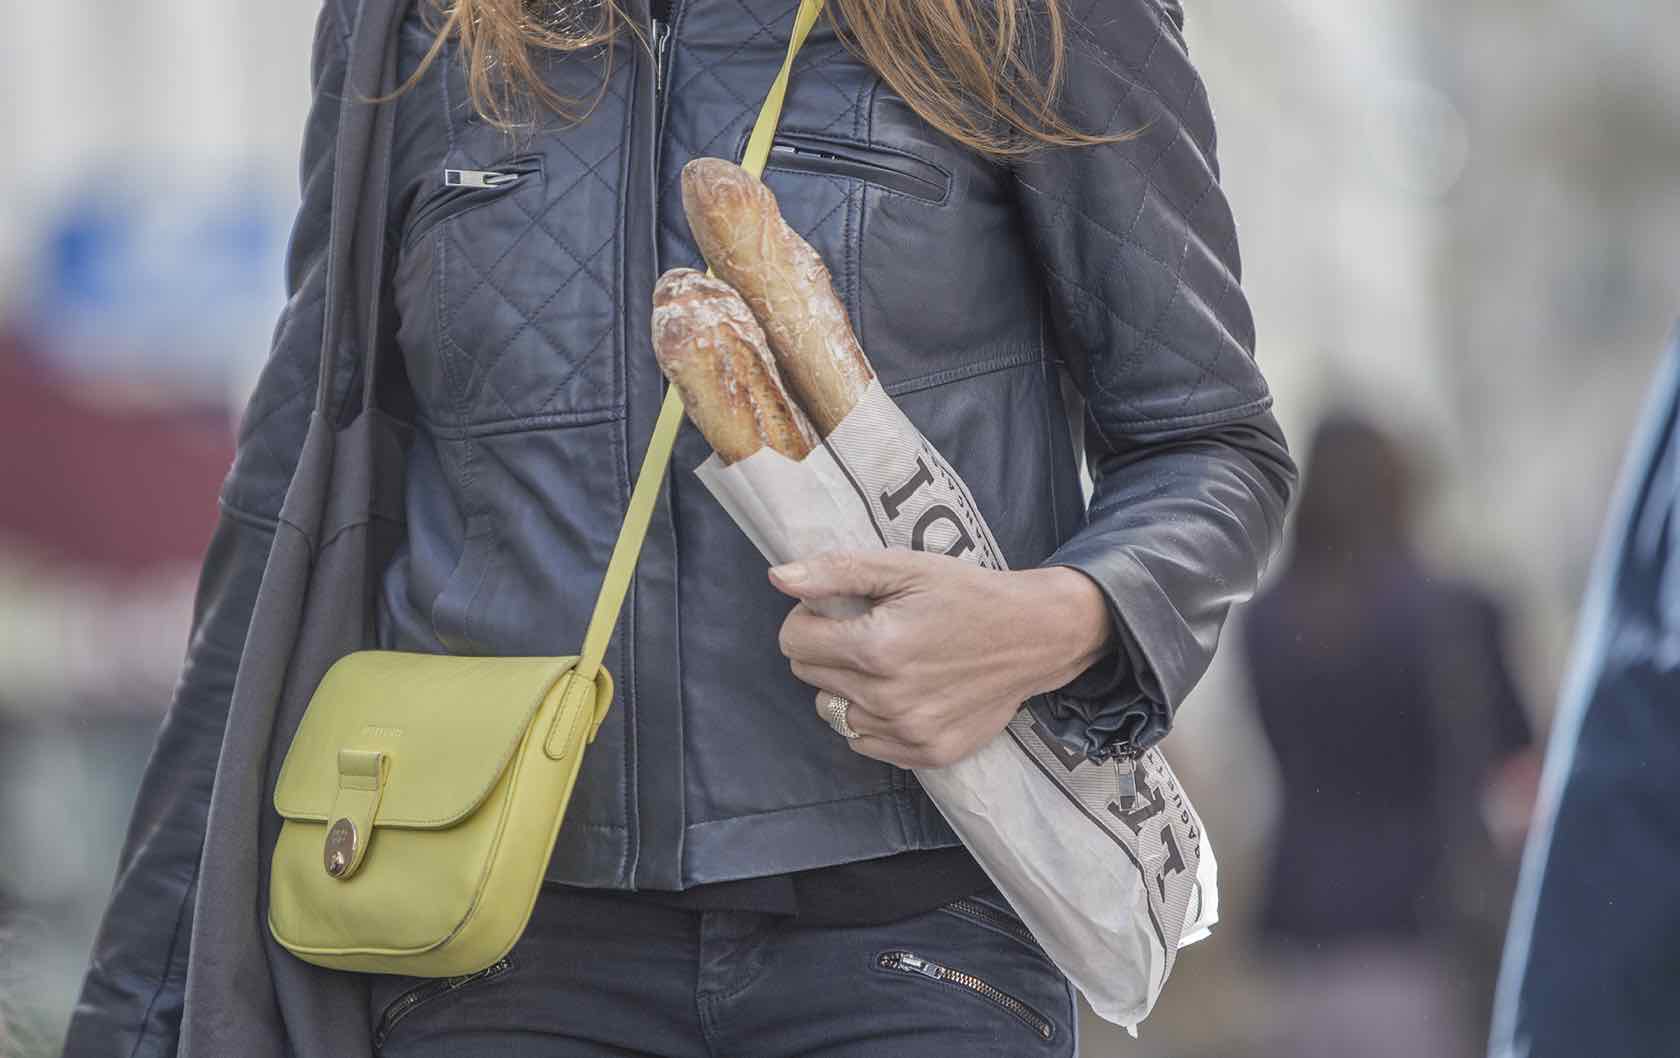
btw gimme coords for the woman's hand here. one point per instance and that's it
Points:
(949, 650)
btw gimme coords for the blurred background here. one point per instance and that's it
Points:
(1458, 225)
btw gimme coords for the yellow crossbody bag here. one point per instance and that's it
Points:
(422, 793)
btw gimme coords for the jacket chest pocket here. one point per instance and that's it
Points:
(521, 294)
(889, 170)
(467, 189)
(919, 236)
(833, 190)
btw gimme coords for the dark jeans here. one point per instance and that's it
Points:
(600, 975)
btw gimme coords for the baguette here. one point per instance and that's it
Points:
(713, 350)
(741, 233)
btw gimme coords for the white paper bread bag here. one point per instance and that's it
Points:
(1110, 890)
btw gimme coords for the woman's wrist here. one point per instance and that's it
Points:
(1069, 614)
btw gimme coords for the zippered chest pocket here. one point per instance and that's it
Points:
(461, 190)
(509, 300)
(804, 152)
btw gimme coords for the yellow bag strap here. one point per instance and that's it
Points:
(622, 565)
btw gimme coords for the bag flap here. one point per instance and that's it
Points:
(448, 726)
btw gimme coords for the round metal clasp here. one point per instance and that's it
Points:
(340, 849)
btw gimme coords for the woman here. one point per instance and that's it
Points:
(734, 877)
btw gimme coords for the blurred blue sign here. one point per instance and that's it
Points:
(160, 282)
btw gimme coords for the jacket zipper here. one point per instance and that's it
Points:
(661, 31)
(629, 465)
(992, 917)
(464, 188)
(906, 962)
(405, 1003)
(908, 176)
(478, 177)
(1125, 756)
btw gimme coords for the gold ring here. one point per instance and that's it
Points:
(834, 709)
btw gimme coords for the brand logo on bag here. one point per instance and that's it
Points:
(378, 731)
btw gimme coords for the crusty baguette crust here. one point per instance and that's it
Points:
(742, 235)
(712, 349)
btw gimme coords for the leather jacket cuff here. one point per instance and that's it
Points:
(1101, 727)
(1108, 705)
(1102, 677)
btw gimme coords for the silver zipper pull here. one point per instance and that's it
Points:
(920, 965)
(659, 31)
(1125, 781)
(477, 178)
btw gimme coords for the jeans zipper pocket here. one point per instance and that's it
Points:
(405, 1004)
(464, 189)
(913, 965)
(986, 915)
(805, 152)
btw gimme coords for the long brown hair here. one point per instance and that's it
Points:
(966, 66)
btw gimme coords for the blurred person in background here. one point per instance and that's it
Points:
(1384, 694)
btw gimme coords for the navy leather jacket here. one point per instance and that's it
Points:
(1021, 312)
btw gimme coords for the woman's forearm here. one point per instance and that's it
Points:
(1065, 612)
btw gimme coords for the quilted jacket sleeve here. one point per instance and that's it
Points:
(1191, 474)
(131, 999)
